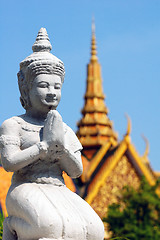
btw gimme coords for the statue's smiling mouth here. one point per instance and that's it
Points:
(50, 99)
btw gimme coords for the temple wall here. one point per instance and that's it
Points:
(122, 175)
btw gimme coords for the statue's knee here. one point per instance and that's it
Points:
(8, 232)
(7, 224)
(95, 230)
(50, 226)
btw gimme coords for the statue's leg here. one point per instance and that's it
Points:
(26, 231)
(92, 223)
(94, 226)
(7, 233)
(17, 227)
(50, 239)
(43, 228)
(33, 215)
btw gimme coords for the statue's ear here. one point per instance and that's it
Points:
(24, 99)
(22, 102)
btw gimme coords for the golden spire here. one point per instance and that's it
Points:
(95, 128)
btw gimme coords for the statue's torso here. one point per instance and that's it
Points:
(45, 170)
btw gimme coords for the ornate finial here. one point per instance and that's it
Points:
(42, 43)
(93, 42)
(93, 26)
(128, 125)
(146, 152)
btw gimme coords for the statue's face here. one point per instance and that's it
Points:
(45, 92)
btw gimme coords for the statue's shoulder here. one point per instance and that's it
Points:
(11, 126)
(9, 132)
(71, 140)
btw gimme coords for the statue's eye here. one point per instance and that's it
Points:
(43, 85)
(57, 86)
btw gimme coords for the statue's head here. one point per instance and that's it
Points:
(41, 61)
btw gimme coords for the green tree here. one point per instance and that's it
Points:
(1, 225)
(136, 216)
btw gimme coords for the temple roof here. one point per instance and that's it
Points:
(107, 158)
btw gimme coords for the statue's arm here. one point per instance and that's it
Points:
(13, 158)
(61, 144)
(71, 163)
(70, 160)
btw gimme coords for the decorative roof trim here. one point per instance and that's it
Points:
(97, 159)
(124, 145)
(144, 169)
(110, 166)
(129, 125)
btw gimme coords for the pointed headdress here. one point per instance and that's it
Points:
(41, 61)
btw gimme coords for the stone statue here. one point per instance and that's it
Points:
(38, 146)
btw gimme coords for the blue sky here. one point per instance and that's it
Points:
(128, 41)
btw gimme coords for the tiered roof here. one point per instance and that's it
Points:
(95, 128)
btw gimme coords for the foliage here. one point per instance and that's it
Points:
(137, 213)
(1, 225)
(119, 238)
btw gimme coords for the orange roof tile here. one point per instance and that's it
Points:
(5, 182)
(69, 182)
